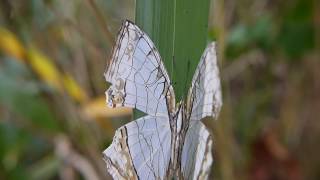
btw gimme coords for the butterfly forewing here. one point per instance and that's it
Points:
(136, 73)
(205, 92)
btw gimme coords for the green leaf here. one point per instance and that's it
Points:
(238, 40)
(297, 33)
(297, 38)
(262, 32)
(179, 30)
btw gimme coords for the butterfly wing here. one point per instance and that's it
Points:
(140, 149)
(137, 76)
(196, 156)
(204, 100)
(205, 92)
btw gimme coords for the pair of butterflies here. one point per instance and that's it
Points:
(170, 141)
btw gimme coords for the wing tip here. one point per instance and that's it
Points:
(212, 43)
(211, 47)
(127, 21)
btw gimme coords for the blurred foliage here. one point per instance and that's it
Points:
(52, 113)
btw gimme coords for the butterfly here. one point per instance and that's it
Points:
(170, 141)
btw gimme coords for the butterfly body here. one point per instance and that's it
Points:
(170, 142)
(178, 130)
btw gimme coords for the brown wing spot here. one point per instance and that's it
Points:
(114, 97)
(129, 49)
(119, 84)
(134, 36)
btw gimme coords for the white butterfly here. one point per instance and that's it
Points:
(170, 141)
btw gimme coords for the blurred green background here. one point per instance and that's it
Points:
(54, 123)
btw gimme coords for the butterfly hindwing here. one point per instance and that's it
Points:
(136, 73)
(140, 149)
(196, 156)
